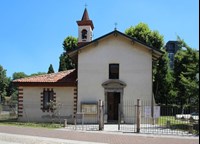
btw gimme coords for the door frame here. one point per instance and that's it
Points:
(114, 100)
(113, 85)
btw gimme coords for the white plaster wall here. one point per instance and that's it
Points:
(32, 102)
(135, 69)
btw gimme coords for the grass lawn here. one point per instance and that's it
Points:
(12, 121)
(163, 120)
(31, 124)
(175, 124)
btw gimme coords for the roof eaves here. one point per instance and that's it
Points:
(42, 84)
(140, 42)
(86, 44)
(116, 31)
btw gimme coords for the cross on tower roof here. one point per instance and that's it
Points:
(115, 26)
(85, 20)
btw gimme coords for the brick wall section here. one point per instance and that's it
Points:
(75, 100)
(20, 102)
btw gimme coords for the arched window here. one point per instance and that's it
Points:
(84, 34)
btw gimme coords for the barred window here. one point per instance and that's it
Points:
(47, 97)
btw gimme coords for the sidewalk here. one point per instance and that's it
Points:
(21, 139)
(94, 137)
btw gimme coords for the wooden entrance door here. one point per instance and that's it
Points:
(113, 100)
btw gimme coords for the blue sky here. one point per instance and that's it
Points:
(32, 31)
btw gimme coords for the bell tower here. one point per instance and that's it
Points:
(85, 29)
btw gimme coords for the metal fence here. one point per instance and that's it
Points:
(143, 117)
(8, 112)
(88, 121)
(63, 114)
(84, 122)
(133, 116)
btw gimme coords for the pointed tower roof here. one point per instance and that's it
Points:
(85, 20)
(85, 16)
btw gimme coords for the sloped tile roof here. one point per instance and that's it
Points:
(68, 76)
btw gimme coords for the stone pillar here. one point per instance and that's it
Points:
(101, 115)
(138, 115)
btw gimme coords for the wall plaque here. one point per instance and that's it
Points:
(89, 108)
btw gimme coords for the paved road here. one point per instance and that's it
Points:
(98, 137)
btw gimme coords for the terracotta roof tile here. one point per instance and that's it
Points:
(85, 16)
(68, 76)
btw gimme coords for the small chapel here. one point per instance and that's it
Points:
(114, 68)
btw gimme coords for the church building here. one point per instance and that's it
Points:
(114, 68)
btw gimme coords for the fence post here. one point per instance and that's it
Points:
(152, 110)
(75, 122)
(65, 123)
(82, 119)
(138, 115)
(101, 113)
(119, 116)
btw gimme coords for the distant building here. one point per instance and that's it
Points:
(172, 47)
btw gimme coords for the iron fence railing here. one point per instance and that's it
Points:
(159, 119)
(133, 116)
(8, 112)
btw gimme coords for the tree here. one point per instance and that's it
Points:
(36, 74)
(51, 70)
(3, 83)
(62, 63)
(70, 43)
(143, 33)
(66, 62)
(186, 67)
(12, 89)
(163, 81)
(18, 75)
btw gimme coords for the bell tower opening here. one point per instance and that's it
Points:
(85, 29)
(84, 35)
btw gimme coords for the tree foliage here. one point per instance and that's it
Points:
(50, 70)
(143, 33)
(3, 83)
(70, 43)
(18, 75)
(62, 63)
(186, 67)
(66, 62)
(36, 74)
(163, 81)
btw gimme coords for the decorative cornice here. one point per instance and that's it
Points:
(114, 83)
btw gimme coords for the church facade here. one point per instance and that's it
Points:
(114, 68)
